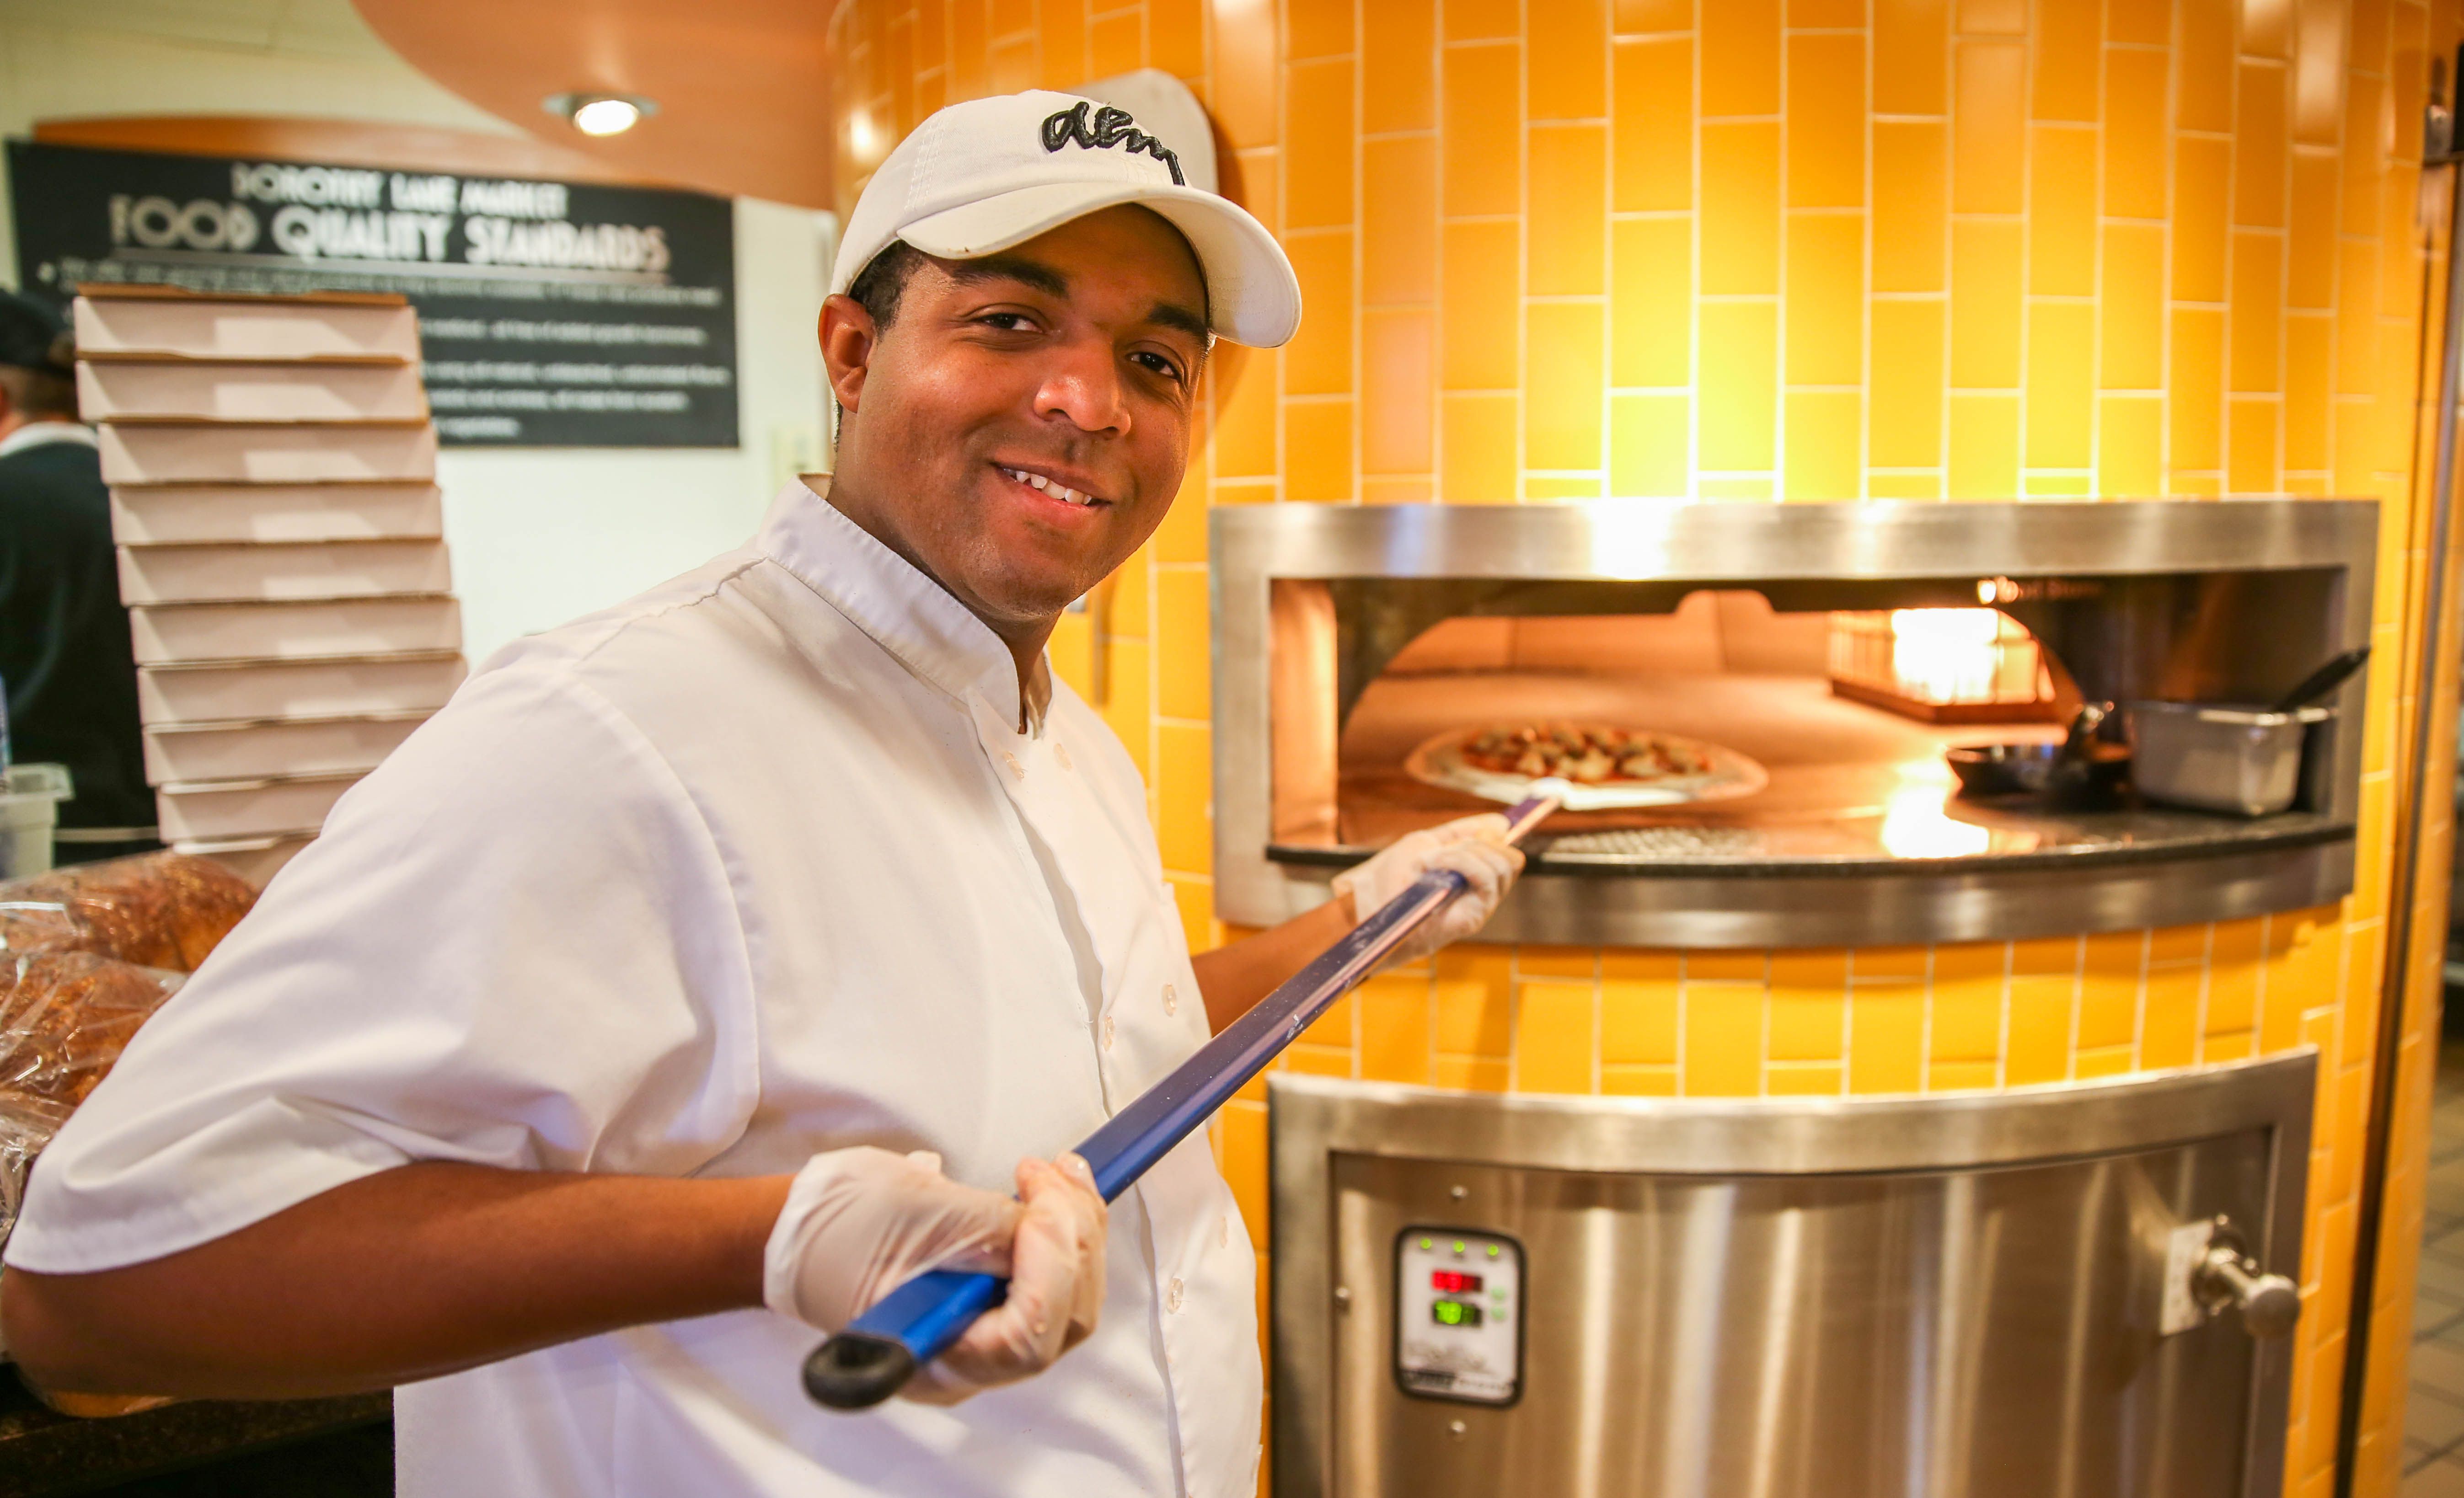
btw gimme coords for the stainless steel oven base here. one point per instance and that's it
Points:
(1964, 1295)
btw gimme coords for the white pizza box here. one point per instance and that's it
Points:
(194, 392)
(293, 454)
(161, 633)
(255, 859)
(285, 570)
(173, 515)
(263, 748)
(254, 690)
(135, 322)
(292, 804)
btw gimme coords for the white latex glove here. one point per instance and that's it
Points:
(860, 1223)
(1473, 846)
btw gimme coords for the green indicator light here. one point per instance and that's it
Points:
(1425, 1243)
(1449, 1313)
(1459, 1247)
(1492, 1250)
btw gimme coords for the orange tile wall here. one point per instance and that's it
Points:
(1818, 249)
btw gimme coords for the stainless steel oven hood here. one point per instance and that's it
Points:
(2175, 599)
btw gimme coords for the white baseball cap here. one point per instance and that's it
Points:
(979, 177)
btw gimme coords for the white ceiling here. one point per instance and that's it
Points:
(299, 28)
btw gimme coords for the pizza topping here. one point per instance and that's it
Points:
(1586, 755)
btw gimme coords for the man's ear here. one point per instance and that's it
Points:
(848, 338)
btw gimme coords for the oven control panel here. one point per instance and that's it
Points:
(1458, 1314)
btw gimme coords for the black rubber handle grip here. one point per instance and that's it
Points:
(853, 1371)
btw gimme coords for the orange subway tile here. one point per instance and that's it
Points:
(1911, 204)
(1316, 31)
(1654, 15)
(1317, 450)
(2233, 997)
(2251, 466)
(1826, 304)
(1399, 221)
(1318, 360)
(1194, 898)
(1908, 48)
(1475, 20)
(2194, 397)
(1399, 369)
(2204, 66)
(2309, 362)
(1819, 444)
(1648, 439)
(1975, 965)
(1740, 220)
(1638, 1021)
(1984, 447)
(1988, 143)
(2130, 446)
(1473, 1073)
(2266, 28)
(2045, 956)
(1061, 45)
(2132, 308)
(1741, 57)
(1333, 1028)
(1808, 1025)
(2109, 987)
(2061, 385)
(2201, 176)
(1478, 326)
(2109, 1060)
(1986, 257)
(1185, 780)
(1809, 968)
(1826, 120)
(1176, 37)
(1967, 1026)
(2310, 239)
(1830, 14)
(1740, 358)
(2135, 84)
(1961, 1076)
(1181, 642)
(2168, 1034)
(1317, 109)
(1724, 1040)
(1243, 1143)
(1244, 73)
(2255, 308)
(2067, 55)
(2062, 211)
(1652, 303)
(1568, 230)
(1568, 358)
(2009, 16)
(1639, 1081)
(1548, 486)
(1482, 166)
(1887, 1038)
(1724, 967)
(1399, 56)
(1552, 1037)
(1114, 43)
(2217, 1046)
(1477, 437)
(2364, 168)
(1569, 40)
(2260, 131)
(1545, 961)
(1907, 383)
(2039, 1046)
(1473, 989)
(1654, 121)
(1816, 1080)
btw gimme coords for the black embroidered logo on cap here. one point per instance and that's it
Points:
(1107, 127)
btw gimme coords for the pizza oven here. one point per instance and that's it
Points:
(1757, 704)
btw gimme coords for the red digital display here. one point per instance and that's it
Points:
(1453, 1280)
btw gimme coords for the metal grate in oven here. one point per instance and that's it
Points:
(1660, 842)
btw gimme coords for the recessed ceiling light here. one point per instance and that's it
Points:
(600, 114)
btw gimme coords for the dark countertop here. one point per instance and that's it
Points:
(43, 1452)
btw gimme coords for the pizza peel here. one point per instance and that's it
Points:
(880, 1350)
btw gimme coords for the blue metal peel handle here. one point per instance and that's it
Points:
(879, 1350)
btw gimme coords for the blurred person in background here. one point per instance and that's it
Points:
(64, 652)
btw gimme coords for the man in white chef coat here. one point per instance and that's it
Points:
(708, 966)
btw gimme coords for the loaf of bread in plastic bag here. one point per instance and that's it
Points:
(156, 910)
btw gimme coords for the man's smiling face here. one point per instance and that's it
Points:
(1022, 424)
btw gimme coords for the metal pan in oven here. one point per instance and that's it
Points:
(2219, 757)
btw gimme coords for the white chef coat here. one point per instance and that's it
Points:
(756, 865)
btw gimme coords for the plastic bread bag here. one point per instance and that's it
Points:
(156, 910)
(65, 1017)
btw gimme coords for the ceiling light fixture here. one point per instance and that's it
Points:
(600, 114)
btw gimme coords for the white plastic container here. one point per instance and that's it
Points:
(327, 327)
(255, 689)
(286, 571)
(265, 454)
(273, 747)
(220, 810)
(161, 633)
(30, 810)
(188, 391)
(180, 515)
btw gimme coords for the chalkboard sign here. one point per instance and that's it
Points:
(551, 313)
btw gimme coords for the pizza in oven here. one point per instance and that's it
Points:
(1586, 755)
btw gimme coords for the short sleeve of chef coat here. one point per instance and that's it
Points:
(514, 945)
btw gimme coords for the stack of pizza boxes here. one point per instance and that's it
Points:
(273, 474)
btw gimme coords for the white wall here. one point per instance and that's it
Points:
(540, 534)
